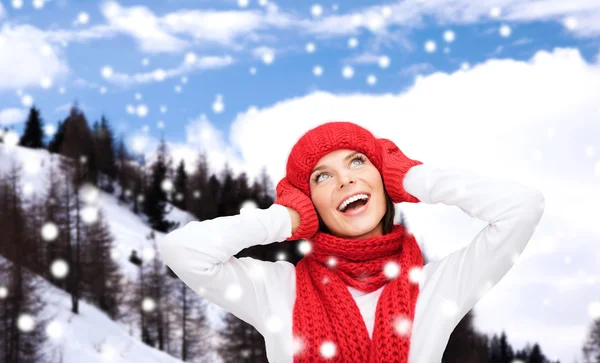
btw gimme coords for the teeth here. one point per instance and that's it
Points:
(352, 199)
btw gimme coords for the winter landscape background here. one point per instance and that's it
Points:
(163, 112)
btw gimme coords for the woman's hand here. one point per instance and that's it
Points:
(394, 168)
(295, 217)
(306, 223)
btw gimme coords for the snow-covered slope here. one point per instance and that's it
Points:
(89, 336)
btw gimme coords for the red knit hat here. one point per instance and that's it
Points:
(323, 139)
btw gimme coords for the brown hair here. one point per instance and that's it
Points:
(388, 217)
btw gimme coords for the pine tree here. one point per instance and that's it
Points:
(105, 154)
(591, 348)
(180, 187)
(198, 185)
(55, 144)
(33, 135)
(21, 301)
(101, 277)
(155, 198)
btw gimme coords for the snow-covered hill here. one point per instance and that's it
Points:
(92, 336)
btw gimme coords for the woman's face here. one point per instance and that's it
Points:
(342, 173)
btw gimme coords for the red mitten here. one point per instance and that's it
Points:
(395, 165)
(292, 197)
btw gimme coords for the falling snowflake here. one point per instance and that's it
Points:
(402, 326)
(46, 82)
(352, 42)
(242, 3)
(316, 10)
(449, 309)
(391, 270)
(304, 247)
(49, 231)
(163, 109)
(103, 90)
(415, 275)
(89, 214)
(386, 11)
(317, 71)
(384, 61)
(310, 47)
(328, 349)
(138, 96)
(11, 138)
(371, 80)
(430, 46)
(130, 109)
(3, 292)
(505, 31)
(148, 304)
(274, 324)
(83, 18)
(107, 72)
(160, 124)
(159, 75)
(62, 90)
(570, 22)
(17, 4)
(449, 36)
(262, 2)
(115, 254)
(465, 66)
(38, 4)
(59, 269)
(281, 256)
(190, 58)
(348, 72)
(184, 79)
(26, 323)
(145, 62)
(495, 12)
(142, 110)
(218, 105)
(268, 57)
(167, 185)
(149, 253)
(253, 70)
(54, 330)
(27, 100)
(233, 292)
(594, 309)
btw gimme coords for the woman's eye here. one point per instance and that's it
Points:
(319, 176)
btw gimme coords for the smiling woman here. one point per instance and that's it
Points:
(362, 292)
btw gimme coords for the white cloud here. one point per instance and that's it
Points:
(143, 25)
(410, 13)
(532, 124)
(223, 27)
(11, 116)
(26, 57)
(363, 58)
(160, 34)
(202, 63)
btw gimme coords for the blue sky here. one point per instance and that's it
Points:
(512, 92)
(135, 38)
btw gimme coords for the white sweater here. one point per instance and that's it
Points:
(263, 293)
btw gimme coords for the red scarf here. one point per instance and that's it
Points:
(327, 324)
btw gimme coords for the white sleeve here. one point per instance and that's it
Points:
(201, 254)
(512, 210)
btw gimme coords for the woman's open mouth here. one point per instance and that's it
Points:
(356, 208)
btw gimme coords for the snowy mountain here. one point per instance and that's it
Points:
(92, 336)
